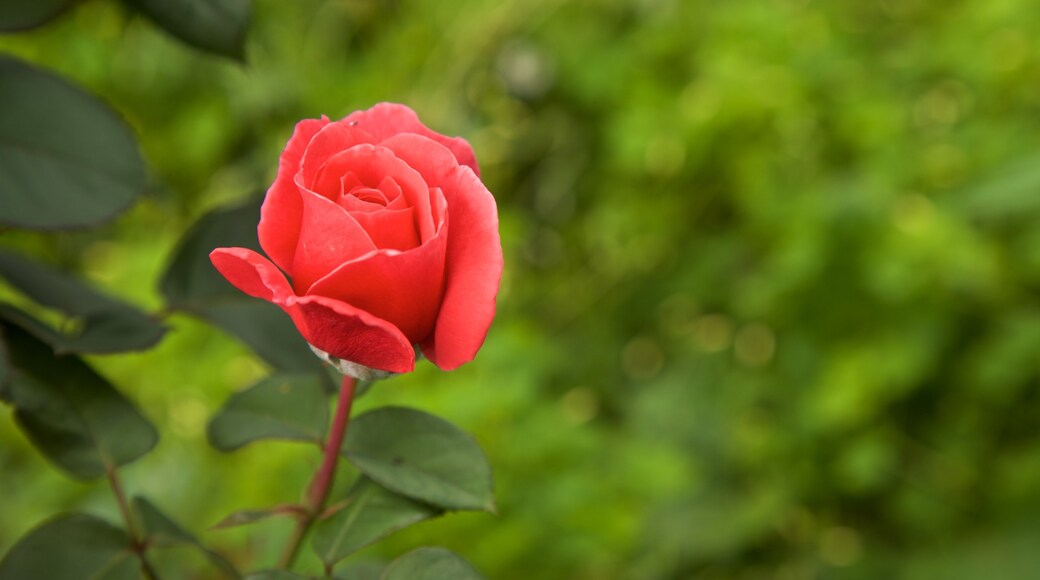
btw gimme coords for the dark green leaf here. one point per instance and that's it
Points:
(97, 324)
(66, 159)
(121, 569)
(71, 547)
(265, 329)
(430, 564)
(161, 531)
(26, 14)
(217, 26)
(190, 280)
(279, 407)
(75, 417)
(246, 517)
(191, 284)
(372, 512)
(421, 456)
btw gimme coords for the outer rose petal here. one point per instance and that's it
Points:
(251, 273)
(387, 119)
(351, 334)
(403, 288)
(330, 325)
(472, 274)
(280, 214)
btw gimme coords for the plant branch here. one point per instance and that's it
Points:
(318, 491)
(139, 545)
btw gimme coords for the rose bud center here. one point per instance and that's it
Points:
(366, 194)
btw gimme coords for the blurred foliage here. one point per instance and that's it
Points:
(772, 295)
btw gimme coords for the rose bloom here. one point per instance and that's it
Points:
(389, 239)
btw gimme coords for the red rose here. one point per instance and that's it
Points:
(389, 237)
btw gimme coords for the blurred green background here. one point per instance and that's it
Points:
(772, 296)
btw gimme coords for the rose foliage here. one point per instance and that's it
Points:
(382, 240)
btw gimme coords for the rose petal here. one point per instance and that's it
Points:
(403, 288)
(372, 165)
(387, 119)
(368, 194)
(332, 326)
(473, 272)
(390, 229)
(351, 334)
(280, 214)
(391, 190)
(251, 273)
(354, 205)
(329, 236)
(434, 162)
(438, 206)
(349, 181)
(326, 143)
(388, 187)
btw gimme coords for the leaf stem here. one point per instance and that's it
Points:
(139, 545)
(318, 491)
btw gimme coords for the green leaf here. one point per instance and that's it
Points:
(161, 532)
(265, 329)
(430, 564)
(217, 26)
(66, 159)
(71, 547)
(159, 529)
(421, 456)
(290, 407)
(121, 569)
(191, 284)
(75, 417)
(98, 333)
(97, 324)
(372, 512)
(246, 517)
(26, 14)
(190, 280)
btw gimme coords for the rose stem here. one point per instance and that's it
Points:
(318, 492)
(139, 545)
